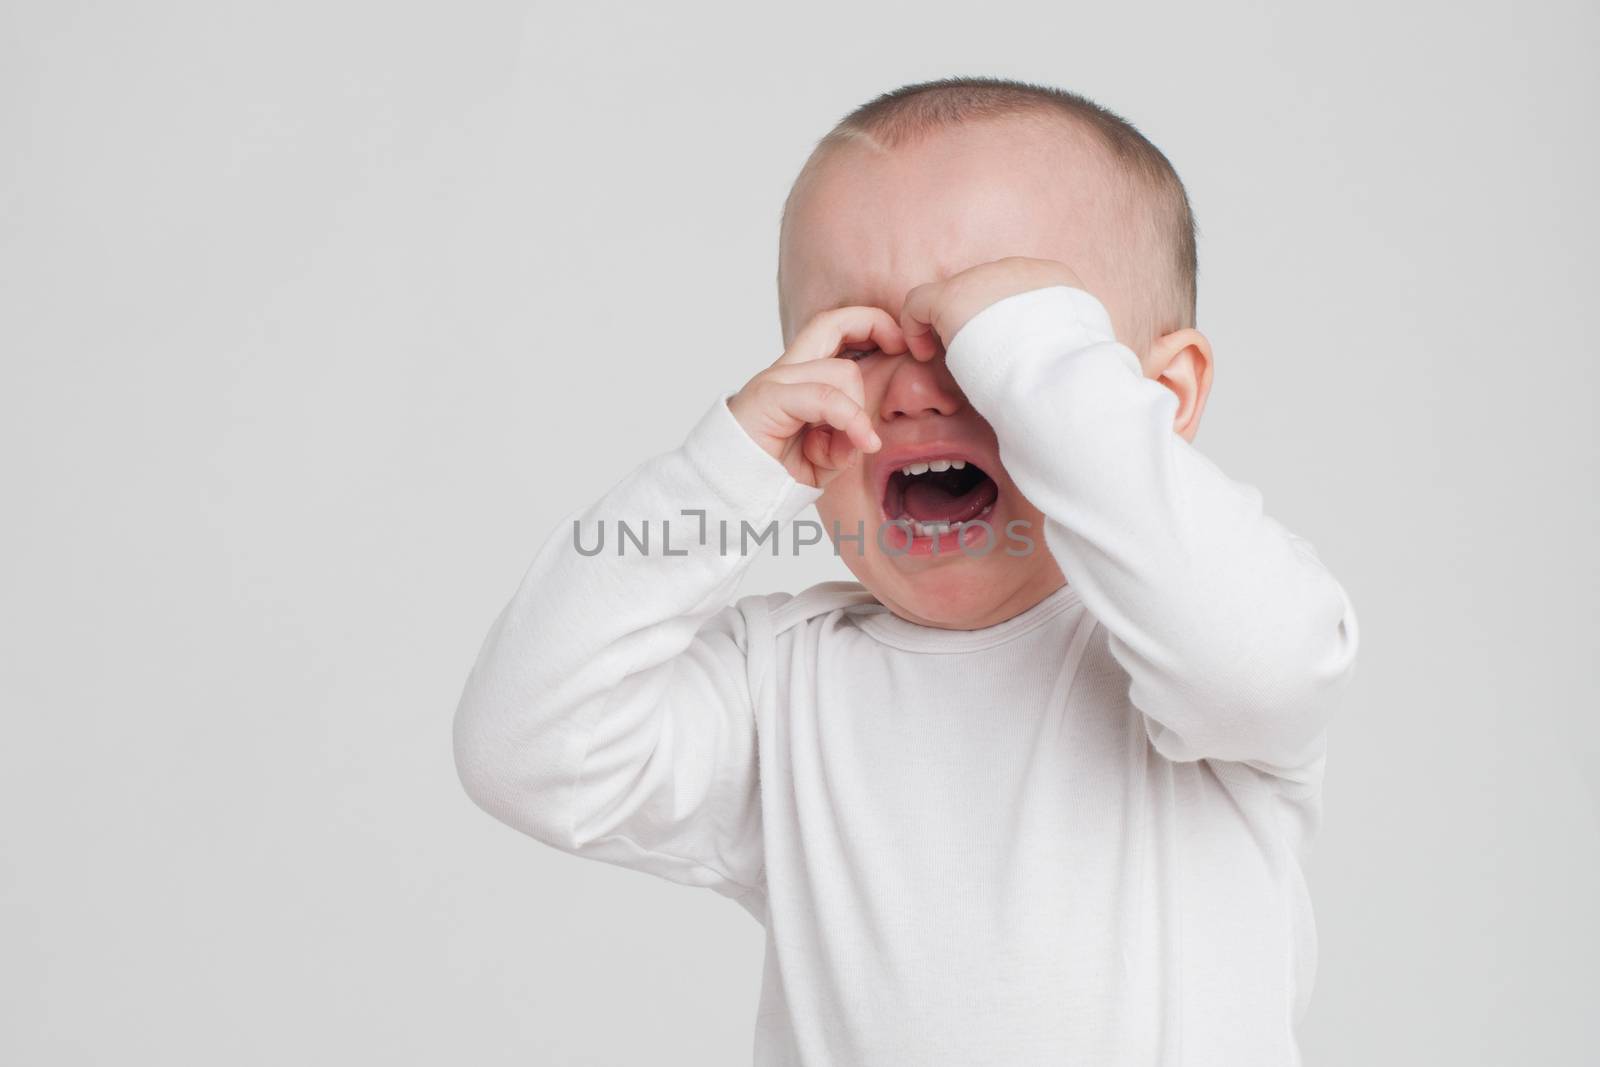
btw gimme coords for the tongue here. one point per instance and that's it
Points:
(927, 502)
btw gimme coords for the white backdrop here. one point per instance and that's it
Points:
(314, 318)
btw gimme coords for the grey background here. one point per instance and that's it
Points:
(315, 318)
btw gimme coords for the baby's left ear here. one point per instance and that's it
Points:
(1182, 362)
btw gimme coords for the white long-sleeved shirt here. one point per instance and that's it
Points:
(1077, 836)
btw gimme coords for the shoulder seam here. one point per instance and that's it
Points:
(820, 599)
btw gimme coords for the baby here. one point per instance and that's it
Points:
(1040, 788)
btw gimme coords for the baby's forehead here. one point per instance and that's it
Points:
(865, 223)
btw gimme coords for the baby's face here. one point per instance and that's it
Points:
(867, 227)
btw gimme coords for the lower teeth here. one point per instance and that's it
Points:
(940, 528)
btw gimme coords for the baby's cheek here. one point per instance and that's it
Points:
(845, 500)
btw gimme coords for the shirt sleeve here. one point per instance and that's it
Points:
(1236, 639)
(609, 711)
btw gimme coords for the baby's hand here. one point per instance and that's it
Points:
(808, 410)
(934, 312)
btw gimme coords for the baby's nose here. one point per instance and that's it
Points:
(920, 388)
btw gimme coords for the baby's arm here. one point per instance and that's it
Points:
(1236, 639)
(609, 712)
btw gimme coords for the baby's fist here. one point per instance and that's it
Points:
(808, 410)
(934, 312)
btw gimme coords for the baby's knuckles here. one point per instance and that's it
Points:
(760, 405)
(957, 299)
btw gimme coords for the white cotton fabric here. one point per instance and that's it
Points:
(1076, 837)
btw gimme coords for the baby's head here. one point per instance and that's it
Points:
(918, 185)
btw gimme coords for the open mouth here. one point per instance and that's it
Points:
(939, 496)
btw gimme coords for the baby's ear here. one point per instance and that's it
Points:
(1182, 362)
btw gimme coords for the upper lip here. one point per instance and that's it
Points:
(893, 457)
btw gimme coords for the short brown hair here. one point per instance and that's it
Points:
(914, 111)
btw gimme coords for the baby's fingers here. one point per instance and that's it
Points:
(826, 449)
(840, 373)
(821, 403)
(917, 320)
(817, 446)
(831, 330)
